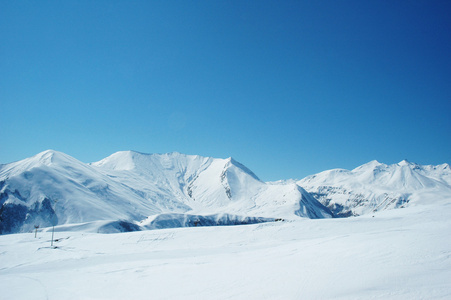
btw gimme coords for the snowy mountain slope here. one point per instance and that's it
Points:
(209, 185)
(375, 186)
(398, 254)
(52, 187)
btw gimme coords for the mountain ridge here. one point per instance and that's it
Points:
(131, 186)
(374, 186)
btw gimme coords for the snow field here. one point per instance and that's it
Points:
(397, 254)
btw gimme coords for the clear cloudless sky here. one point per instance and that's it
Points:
(288, 88)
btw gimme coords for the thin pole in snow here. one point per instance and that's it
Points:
(53, 231)
(54, 220)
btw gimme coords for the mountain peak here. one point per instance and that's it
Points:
(134, 160)
(50, 156)
(404, 162)
(121, 160)
(47, 153)
(369, 165)
(232, 162)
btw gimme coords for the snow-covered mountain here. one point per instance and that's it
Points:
(54, 188)
(132, 190)
(376, 186)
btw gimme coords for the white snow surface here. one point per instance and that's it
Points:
(397, 254)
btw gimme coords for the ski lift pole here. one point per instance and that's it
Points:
(54, 221)
(53, 232)
(36, 230)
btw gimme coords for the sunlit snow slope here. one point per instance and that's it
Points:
(54, 188)
(376, 186)
(398, 254)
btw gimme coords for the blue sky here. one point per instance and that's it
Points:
(288, 88)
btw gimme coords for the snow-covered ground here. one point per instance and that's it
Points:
(397, 254)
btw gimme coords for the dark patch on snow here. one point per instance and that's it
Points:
(225, 184)
(174, 220)
(313, 207)
(3, 197)
(16, 217)
(119, 226)
(12, 217)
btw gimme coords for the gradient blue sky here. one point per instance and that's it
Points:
(288, 88)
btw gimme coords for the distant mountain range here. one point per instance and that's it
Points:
(376, 186)
(132, 191)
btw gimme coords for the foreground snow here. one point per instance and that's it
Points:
(400, 254)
